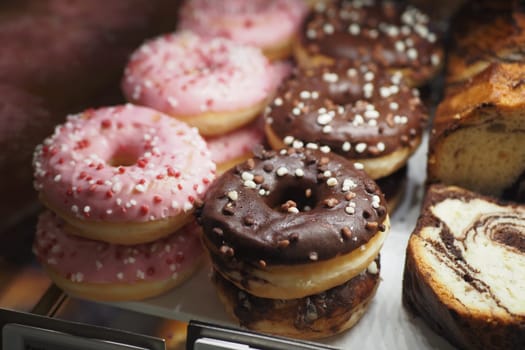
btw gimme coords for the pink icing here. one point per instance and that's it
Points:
(237, 143)
(183, 74)
(84, 260)
(262, 23)
(162, 165)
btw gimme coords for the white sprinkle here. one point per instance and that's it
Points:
(296, 111)
(373, 33)
(369, 76)
(384, 91)
(328, 28)
(434, 59)
(117, 186)
(173, 102)
(233, 195)
(311, 34)
(297, 144)
(299, 172)
(74, 208)
(140, 188)
(305, 94)
(133, 202)
(57, 178)
(250, 184)
(324, 119)
(281, 171)
(330, 77)
(380, 146)
(360, 147)
(332, 181)
(262, 192)
(324, 149)
(174, 204)
(278, 101)
(119, 201)
(394, 106)
(120, 276)
(372, 268)
(141, 275)
(293, 210)
(400, 46)
(87, 209)
(412, 53)
(368, 89)
(372, 114)
(431, 37)
(351, 72)
(394, 89)
(348, 184)
(109, 211)
(327, 129)
(350, 210)
(315, 95)
(247, 176)
(359, 166)
(187, 207)
(346, 146)
(354, 29)
(175, 275)
(311, 145)
(327, 173)
(288, 140)
(98, 264)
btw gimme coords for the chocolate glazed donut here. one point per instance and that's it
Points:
(314, 316)
(293, 223)
(396, 36)
(359, 112)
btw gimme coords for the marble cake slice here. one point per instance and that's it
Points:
(465, 269)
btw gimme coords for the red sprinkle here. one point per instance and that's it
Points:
(121, 170)
(106, 123)
(144, 209)
(142, 163)
(157, 199)
(109, 194)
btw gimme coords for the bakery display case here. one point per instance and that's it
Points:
(99, 61)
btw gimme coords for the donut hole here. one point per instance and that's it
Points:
(302, 197)
(124, 156)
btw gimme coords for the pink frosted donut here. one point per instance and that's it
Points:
(123, 174)
(236, 146)
(102, 271)
(214, 84)
(268, 24)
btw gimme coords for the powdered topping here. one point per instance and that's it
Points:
(122, 164)
(83, 260)
(262, 23)
(183, 74)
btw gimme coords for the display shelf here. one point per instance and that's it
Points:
(386, 325)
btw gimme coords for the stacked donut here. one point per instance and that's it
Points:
(294, 238)
(393, 35)
(213, 73)
(359, 112)
(120, 184)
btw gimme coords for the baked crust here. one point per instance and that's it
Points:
(478, 135)
(463, 269)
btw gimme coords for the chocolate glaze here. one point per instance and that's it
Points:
(357, 111)
(304, 313)
(291, 207)
(465, 329)
(389, 33)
